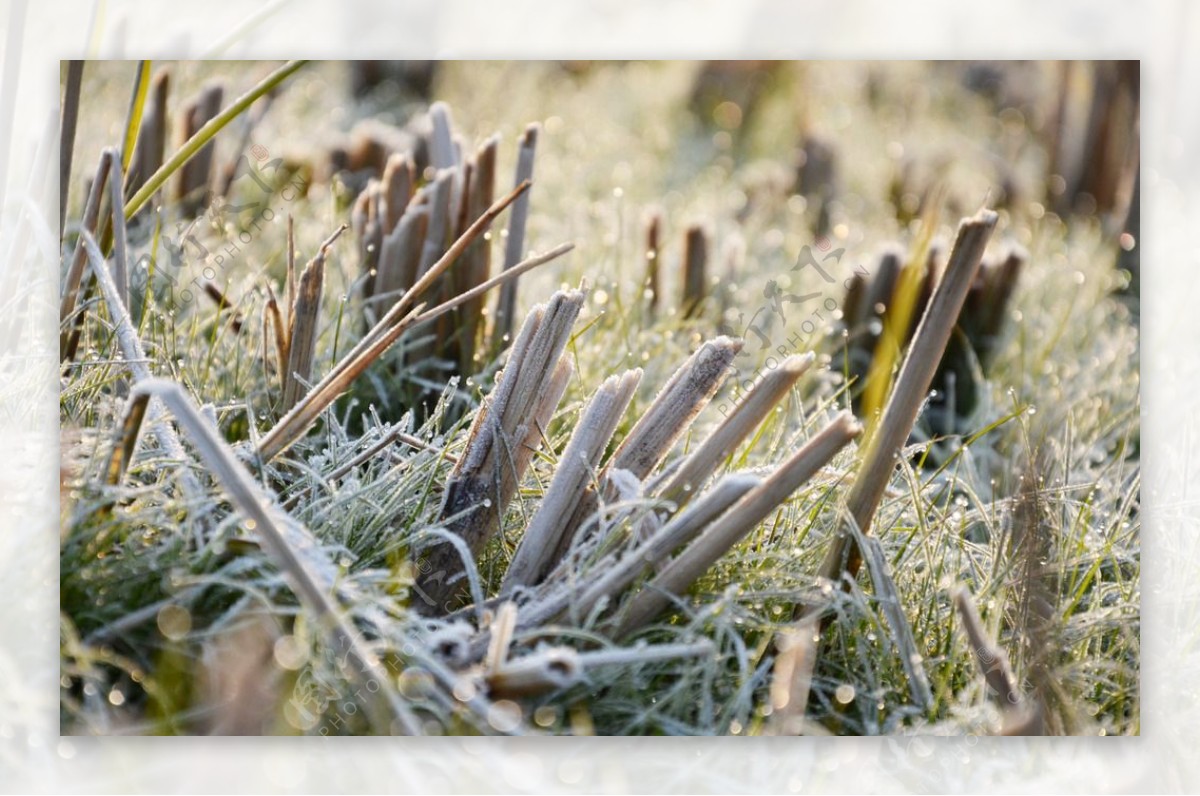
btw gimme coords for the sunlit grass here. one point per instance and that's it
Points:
(1063, 392)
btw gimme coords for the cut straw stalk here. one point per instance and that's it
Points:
(576, 467)
(296, 552)
(441, 141)
(399, 256)
(676, 406)
(429, 278)
(556, 668)
(912, 385)
(736, 523)
(695, 270)
(683, 397)
(368, 227)
(791, 676)
(205, 134)
(532, 675)
(514, 245)
(503, 624)
(305, 319)
(653, 243)
(274, 329)
(439, 220)
(692, 474)
(66, 153)
(390, 327)
(291, 268)
(125, 441)
(397, 187)
(1020, 716)
(120, 243)
(223, 303)
(640, 654)
(507, 429)
(477, 260)
(72, 285)
(195, 177)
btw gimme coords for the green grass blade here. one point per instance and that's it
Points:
(206, 133)
(137, 104)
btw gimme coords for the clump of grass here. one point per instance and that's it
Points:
(425, 195)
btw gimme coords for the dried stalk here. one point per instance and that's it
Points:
(645, 654)
(441, 141)
(66, 154)
(273, 322)
(305, 318)
(291, 269)
(399, 257)
(368, 227)
(791, 676)
(477, 260)
(439, 220)
(69, 336)
(653, 244)
(390, 327)
(682, 398)
(514, 245)
(732, 526)
(576, 467)
(120, 242)
(695, 270)
(692, 474)
(502, 627)
(398, 181)
(125, 441)
(912, 385)
(507, 429)
(883, 286)
(195, 176)
(544, 671)
(223, 303)
(676, 406)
